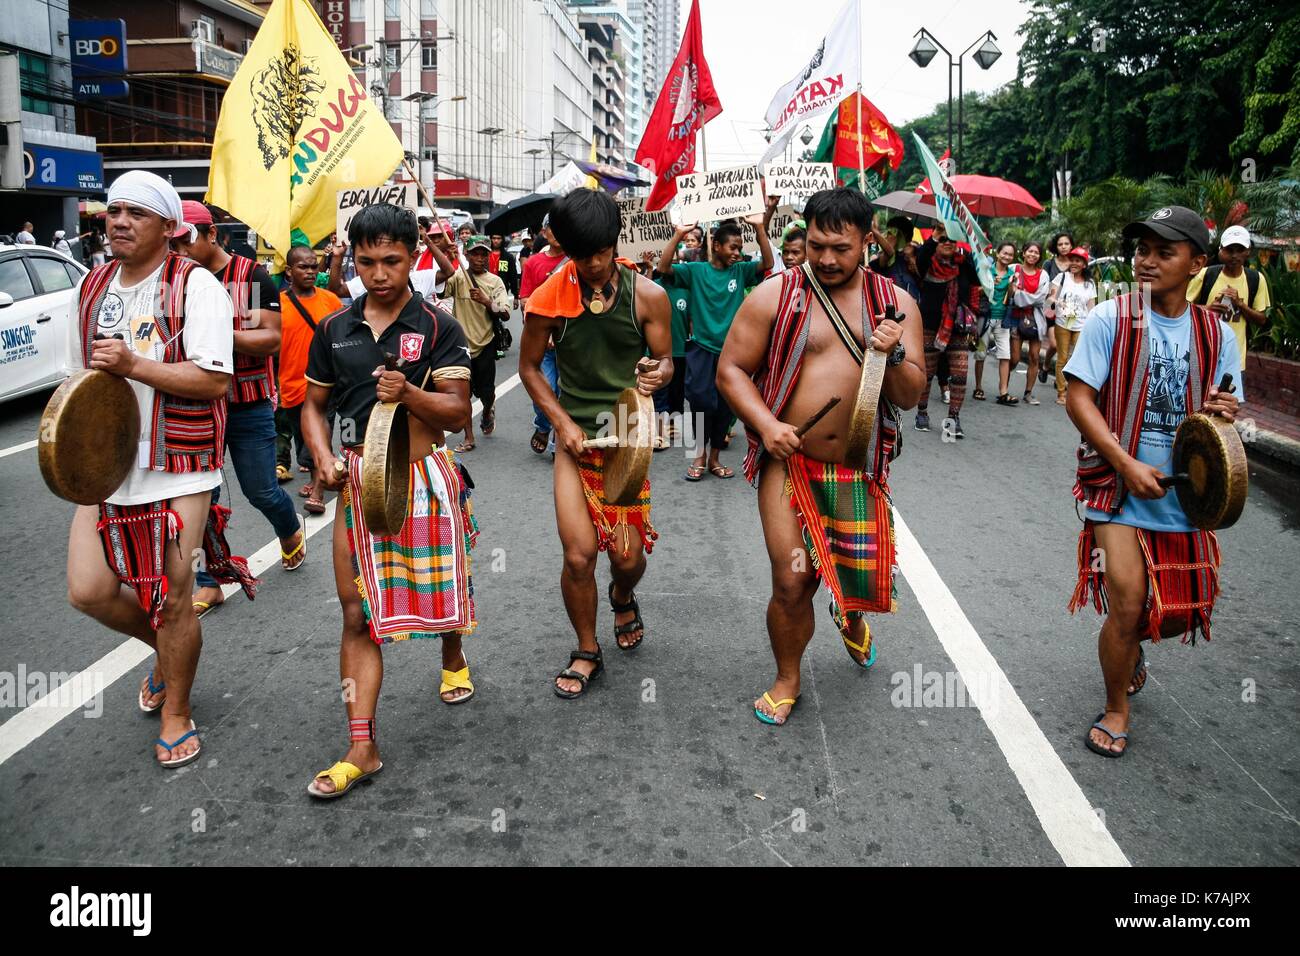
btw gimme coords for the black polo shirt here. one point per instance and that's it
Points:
(344, 353)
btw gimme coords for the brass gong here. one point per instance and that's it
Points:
(627, 462)
(386, 465)
(88, 436)
(1211, 475)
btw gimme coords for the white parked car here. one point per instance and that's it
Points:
(37, 286)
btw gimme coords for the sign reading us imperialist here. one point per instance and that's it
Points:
(719, 194)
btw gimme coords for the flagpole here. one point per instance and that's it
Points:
(862, 173)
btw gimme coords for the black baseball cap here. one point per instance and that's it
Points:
(1175, 223)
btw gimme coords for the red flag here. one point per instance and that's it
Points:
(924, 189)
(687, 101)
(880, 144)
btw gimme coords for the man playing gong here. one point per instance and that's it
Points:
(786, 355)
(603, 319)
(415, 583)
(1143, 361)
(165, 325)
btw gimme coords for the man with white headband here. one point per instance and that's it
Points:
(164, 324)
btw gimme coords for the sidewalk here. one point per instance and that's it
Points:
(1277, 434)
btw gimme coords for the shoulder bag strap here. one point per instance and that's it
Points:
(837, 320)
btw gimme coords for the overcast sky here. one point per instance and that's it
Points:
(756, 46)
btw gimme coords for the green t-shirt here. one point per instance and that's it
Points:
(713, 297)
(677, 301)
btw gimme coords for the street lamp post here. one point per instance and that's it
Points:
(534, 152)
(924, 50)
(424, 98)
(492, 132)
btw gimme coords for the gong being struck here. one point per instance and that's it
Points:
(1210, 476)
(627, 459)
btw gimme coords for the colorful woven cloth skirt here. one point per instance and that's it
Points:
(614, 523)
(848, 527)
(416, 583)
(135, 539)
(1182, 579)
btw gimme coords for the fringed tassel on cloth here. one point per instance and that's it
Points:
(135, 539)
(614, 523)
(1182, 580)
(225, 567)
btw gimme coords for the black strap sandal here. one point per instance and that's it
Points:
(636, 624)
(1139, 678)
(569, 674)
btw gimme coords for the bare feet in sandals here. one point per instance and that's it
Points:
(363, 754)
(781, 690)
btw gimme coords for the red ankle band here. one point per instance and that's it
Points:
(362, 728)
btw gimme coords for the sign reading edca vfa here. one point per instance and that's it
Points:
(352, 201)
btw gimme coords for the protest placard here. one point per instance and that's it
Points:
(718, 194)
(352, 201)
(795, 182)
(782, 218)
(642, 231)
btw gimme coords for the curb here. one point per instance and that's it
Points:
(1275, 446)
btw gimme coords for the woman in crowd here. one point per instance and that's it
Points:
(1029, 300)
(949, 298)
(1059, 248)
(1072, 295)
(998, 332)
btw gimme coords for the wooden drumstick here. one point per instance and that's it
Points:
(817, 416)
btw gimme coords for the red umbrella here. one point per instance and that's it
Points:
(992, 197)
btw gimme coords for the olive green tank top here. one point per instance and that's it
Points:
(597, 355)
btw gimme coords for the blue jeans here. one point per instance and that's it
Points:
(552, 373)
(250, 445)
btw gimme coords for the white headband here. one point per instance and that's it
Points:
(148, 191)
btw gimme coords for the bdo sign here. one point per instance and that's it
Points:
(98, 58)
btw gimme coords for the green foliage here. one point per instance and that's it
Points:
(1281, 336)
(1163, 87)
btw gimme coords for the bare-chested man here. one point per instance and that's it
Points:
(782, 361)
(603, 319)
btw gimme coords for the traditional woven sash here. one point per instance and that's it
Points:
(614, 522)
(135, 539)
(848, 528)
(417, 583)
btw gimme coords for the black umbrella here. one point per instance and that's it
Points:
(525, 212)
(908, 203)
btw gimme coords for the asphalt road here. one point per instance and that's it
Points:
(663, 761)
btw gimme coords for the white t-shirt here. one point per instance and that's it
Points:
(425, 281)
(209, 338)
(25, 237)
(1072, 300)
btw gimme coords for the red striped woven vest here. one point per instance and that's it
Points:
(1122, 399)
(186, 434)
(785, 348)
(254, 377)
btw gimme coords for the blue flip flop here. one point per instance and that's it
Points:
(152, 690)
(182, 761)
(775, 705)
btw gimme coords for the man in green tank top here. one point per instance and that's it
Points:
(604, 320)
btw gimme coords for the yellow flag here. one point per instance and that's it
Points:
(591, 158)
(295, 127)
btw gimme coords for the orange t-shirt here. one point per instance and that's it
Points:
(295, 341)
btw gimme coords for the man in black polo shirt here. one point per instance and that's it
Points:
(415, 583)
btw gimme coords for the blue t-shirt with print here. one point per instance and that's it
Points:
(1170, 365)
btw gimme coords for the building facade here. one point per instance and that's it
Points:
(49, 164)
(617, 68)
(558, 98)
(660, 24)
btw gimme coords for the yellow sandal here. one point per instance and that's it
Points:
(286, 557)
(344, 776)
(455, 680)
(775, 705)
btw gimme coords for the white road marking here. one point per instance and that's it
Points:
(1067, 818)
(15, 449)
(43, 714)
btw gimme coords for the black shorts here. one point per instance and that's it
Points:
(483, 376)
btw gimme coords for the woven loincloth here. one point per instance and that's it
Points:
(1182, 579)
(614, 522)
(848, 528)
(416, 583)
(135, 539)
